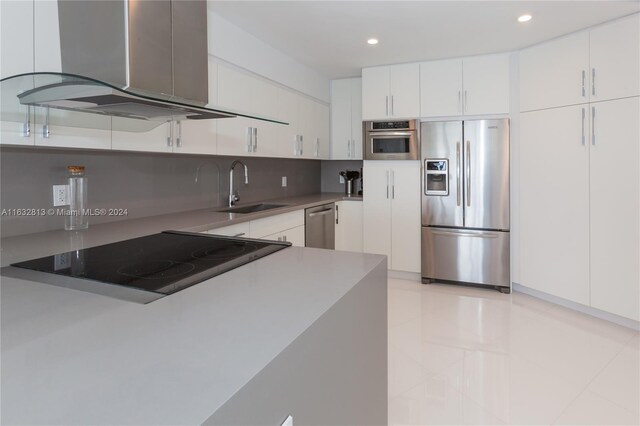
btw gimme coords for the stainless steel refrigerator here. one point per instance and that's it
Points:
(465, 202)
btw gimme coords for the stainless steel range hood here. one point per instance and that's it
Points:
(145, 60)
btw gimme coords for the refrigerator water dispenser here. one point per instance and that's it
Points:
(436, 176)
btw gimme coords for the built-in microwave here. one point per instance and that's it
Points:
(391, 140)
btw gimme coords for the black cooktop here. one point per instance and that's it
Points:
(161, 263)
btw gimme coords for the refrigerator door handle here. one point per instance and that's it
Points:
(468, 194)
(458, 174)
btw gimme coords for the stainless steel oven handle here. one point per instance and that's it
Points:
(468, 174)
(408, 133)
(458, 174)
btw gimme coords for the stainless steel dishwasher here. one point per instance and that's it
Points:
(319, 230)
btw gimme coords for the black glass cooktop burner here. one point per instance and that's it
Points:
(161, 263)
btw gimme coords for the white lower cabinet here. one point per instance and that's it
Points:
(349, 225)
(615, 207)
(391, 212)
(580, 204)
(295, 236)
(237, 230)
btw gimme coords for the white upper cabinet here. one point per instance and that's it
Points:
(470, 86)
(441, 88)
(404, 93)
(485, 84)
(16, 43)
(346, 119)
(615, 59)
(593, 65)
(288, 136)
(391, 92)
(555, 73)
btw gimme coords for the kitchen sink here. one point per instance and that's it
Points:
(251, 209)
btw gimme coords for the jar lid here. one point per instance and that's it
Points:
(75, 169)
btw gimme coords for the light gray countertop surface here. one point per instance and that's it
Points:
(32, 246)
(71, 357)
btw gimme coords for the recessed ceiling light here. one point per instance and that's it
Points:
(524, 18)
(372, 41)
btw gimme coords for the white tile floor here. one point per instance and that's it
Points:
(460, 355)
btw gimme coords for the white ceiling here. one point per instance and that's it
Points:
(330, 36)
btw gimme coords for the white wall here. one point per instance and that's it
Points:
(232, 44)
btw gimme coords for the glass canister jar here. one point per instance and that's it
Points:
(76, 218)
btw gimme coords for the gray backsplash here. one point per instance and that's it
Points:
(146, 184)
(330, 177)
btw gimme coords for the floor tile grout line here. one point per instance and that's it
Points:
(586, 388)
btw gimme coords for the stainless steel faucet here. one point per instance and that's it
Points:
(233, 197)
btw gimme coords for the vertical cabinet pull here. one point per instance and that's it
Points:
(459, 101)
(349, 148)
(593, 81)
(583, 116)
(353, 148)
(254, 133)
(179, 137)
(26, 126)
(392, 113)
(458, 173)
(465, 108)
(393, 184)
(249, 137)
(317, 147)
(468, 174)
(593, 125)
(45, 128)
(296, 145)
(301, 144)
(387, 184)
(584, 76)
(337, 215)
(170, 134)
(386, 102)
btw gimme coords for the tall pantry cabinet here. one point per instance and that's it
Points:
(580, 168)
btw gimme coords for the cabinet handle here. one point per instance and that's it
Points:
(593, 81)
(583, 116)
(254, 133)
(249, 137)
(392, 113)
(393, 184)
(337, 215)
(170, 135)
(584, 76)
(459, 101)
(458, 173)
(468, 174)
(179, 137)
(284, 238)
(26, 126)
(45, 128)
(301, 144)
(317, 147)
(349, 148)
(465, 108)
(353, 148)
(593, 125)
(387, 184)
(296, 145)
(386, 101)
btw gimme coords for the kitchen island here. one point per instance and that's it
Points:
(301, 332)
